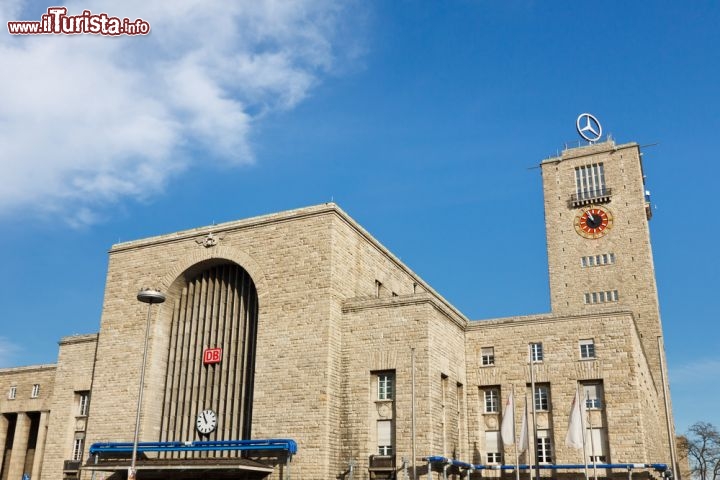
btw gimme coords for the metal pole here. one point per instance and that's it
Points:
(515, 441)
(146, 296)
(412, 410)
(671, 440)
(582, 426)
(534, 413)
(592, 448)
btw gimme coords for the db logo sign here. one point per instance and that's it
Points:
(212, 355)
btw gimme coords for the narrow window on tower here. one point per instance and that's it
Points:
(544, 448)
(385, 386)
(492, 399)
(35, 391)
(536, 352)
(590, 182)
(542, 398)
(593, 394)
(83, 402)
(487, 355)
(384, 416)
(78, 443)
(587, 349)
(492, 447)
(384, 436)
(12, 393)
(604, 296)
(596, 440)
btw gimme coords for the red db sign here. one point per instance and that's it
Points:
(212, 355)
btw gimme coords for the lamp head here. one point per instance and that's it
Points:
(148, 295)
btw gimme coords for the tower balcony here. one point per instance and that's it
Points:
(590, 197)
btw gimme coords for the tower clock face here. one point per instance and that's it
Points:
(593, 222)
(206, 422)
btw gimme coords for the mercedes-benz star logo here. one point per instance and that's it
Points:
(592, 131)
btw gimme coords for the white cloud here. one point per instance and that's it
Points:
(8, 353)
(88, 120)
(702, 371)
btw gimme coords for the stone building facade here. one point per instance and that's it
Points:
(325, 337)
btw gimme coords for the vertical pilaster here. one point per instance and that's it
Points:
(3, 437)
(20, 444)
(40, 445)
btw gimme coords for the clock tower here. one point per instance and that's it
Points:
(598, 240)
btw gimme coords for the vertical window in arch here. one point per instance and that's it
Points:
(217, 308)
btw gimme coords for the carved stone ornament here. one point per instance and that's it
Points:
(209, 241)
(491, 422)
(384, 410)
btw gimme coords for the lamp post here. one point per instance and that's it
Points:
(148, 296)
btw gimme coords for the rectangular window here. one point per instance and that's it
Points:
(544, 448)
(590, 181)
(597, 260)
(492, 400)
(492, 446)
(595, 443)
(384, 437)
(83, 403)
(35, 391)
(593, 394)
(487, 354)
(12, 392)
(542, 398)
(536, 352)
(587, 348)
(78, 444)
(601, 297)
(385, 386)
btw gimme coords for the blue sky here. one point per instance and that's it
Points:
(423, 120)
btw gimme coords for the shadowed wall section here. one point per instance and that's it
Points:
(218, 308)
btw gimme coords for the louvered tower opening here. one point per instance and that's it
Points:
(218, 308)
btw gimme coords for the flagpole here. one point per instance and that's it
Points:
(582, 426)
(524, 434)
(526, 431)
(592, 444)
(517, 446)
(534, 413)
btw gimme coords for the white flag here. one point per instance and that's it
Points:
(507, 430)
(574, 437)
(523, 442)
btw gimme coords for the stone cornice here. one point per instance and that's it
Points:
(588, 150)
(29, 368)
(547, 318)
(424, 298)
(89, 337)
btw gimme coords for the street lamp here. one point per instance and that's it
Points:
(148, 296)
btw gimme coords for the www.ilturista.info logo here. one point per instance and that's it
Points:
(57, 22)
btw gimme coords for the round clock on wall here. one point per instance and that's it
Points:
(593, 222)
(206, 422)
